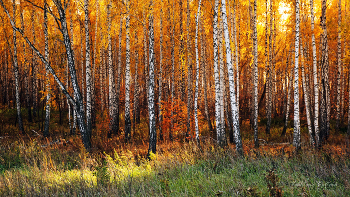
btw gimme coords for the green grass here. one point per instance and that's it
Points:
(29, 170)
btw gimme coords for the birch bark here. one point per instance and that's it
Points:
(234, 107)
(296, 134)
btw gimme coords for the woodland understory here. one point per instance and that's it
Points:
(121, 92)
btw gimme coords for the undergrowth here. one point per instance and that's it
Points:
(178, 169)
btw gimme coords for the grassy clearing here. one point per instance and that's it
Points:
(27, 169)
(34, 166)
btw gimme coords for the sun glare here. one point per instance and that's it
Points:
(284, 11)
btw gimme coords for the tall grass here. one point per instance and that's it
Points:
(27, 169)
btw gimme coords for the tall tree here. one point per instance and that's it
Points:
(296, 134)
(127, 77)
(234, 107)
(160, 86)
(255, 78)
(88, 70)
(151, 106)
(219, 134)
(189, 72)
(113, 105)
(15, 68)
(324, 78)
(46, 35)
(197, 74)
(339, 67)
(314, 63)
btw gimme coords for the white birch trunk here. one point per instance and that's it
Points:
(47, 108)
(151, 106)
(197, 75)
(88, 69)
(127, 77)
(234, 107)
(296, 135)
(255, 80)
(314, 63)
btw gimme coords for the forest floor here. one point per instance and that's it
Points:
(31, 165)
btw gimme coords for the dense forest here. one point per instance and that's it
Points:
(104, 75)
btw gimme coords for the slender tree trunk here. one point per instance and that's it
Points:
(172, 76)
(113, 105)
(269, 79)
(160, 116)
(220, 135)
(234, 107)
(189, 73)
(255, 79)
(197, 75)
(151, 106)
(221, 84)
(48, 90)
(88, 70)
(136, 86)
(203, 63)
(314, 63)
(127, 78)
(339, 67)
(236, 52)
(296, 135)
(324, 108)
(26, 79)
(15, 67)
(306, 96)
(34, 71)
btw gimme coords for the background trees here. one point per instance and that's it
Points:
(233, 79)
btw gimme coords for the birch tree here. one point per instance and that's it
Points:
(47, 112)
(88, 69)
(339, 67)
(127, 77)
(255, 78)
(296, 133)
(151, 106)
(160, 86)
(314, 63)
(220, 135)
(197, 75)
(113, 105)
(234, 107)
(15, 68)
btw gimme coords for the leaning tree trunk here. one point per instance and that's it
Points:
(47, 114)
(234, 107)
(197, 75)
(151, 106)
(77, 101)
(296, 135)
(127, 78)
